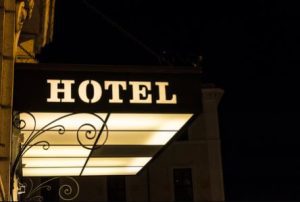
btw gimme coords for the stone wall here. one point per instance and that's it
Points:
(7, 42)
(25, 27)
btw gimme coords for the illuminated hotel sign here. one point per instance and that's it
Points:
(80, 120)
(140, 91)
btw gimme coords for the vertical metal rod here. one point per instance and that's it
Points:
(95, 143)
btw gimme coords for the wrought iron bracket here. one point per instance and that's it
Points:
(67, 191)
(93, 133)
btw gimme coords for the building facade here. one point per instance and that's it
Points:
(189, 169)
(25, 27)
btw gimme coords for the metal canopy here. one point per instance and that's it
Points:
(83, 144)
(118, 134)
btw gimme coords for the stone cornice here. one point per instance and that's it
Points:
(34, 27)
(23, 12)
(214, 94)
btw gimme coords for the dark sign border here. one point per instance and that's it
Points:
(31, 89)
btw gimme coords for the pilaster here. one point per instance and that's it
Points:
(211, 99)
(7, 41)
(12, 16)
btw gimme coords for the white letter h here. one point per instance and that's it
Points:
(66, 90)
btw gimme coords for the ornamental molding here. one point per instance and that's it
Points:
(212, 94)
(24, 11)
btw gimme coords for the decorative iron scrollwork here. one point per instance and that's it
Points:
(67, 191)
(91, 135)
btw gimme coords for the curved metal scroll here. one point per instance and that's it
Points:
(90, 133)
(67, 191)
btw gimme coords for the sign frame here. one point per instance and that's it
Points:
(163, 83)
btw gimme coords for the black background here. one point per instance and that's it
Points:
(249, 48)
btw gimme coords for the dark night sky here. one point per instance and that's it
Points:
(251, 50)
